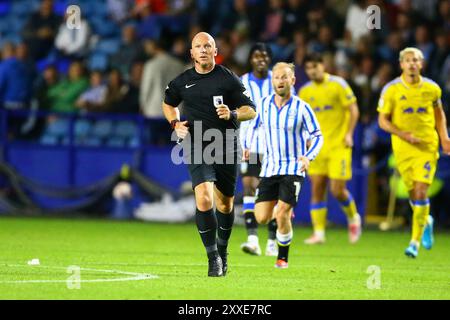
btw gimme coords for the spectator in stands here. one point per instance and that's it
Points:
(119, 10)
(64, 95)
(424, 44)
(273, 20)
(404, 27)
(295, 18)
(93, 99)
(130, 50)
(241, 46)
(180, 50)
(40, 30)
(16, 79)
(356, 21)
(390, 50)
(443, 19)
(324, 42)
(362, 78)
(142, 7)
(43, 86)
(73, 43)
(301, 77)
(129, 103)
(158, 71)
(440, 53)
(320, 14)
(41, 100)
(116, 92)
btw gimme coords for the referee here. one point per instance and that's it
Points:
(214, 99)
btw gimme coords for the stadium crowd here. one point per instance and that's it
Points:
(125, 52)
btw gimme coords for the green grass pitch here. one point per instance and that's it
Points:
(133, 260)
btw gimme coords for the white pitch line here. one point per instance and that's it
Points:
(135, 276)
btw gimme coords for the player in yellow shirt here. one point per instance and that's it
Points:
(410, 108)
(336, 109)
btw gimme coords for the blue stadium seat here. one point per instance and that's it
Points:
(5, 7)
(107, 46)
(98, 61)
(21, 8)
(116, 142)
(59, 127)
(125, 129)
(105, 28)
(48, 140)
(133, 142)
(82, 128)
(102, 129)
(100, 9)
(60, 7)
(88, 141)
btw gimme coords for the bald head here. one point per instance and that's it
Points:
(202, 37)
(283, 78)
(203, 51)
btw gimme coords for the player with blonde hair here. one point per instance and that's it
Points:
(410, 108)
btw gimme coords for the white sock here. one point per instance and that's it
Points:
(320, 234)
(284, 239)
(253, 239)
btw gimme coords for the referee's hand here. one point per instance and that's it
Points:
(305, 163)
(182, 129)
(223, 112)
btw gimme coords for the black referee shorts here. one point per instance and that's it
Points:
(284, 188)
(223, 175)
(251, 169)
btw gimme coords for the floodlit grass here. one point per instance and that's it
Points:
(133, 260)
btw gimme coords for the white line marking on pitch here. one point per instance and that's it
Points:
(135, 276)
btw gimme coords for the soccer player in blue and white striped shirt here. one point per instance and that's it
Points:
(258, 84)
(288, 123)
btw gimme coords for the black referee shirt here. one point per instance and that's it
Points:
(201, 92)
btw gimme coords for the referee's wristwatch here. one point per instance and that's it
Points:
(233, 115)
(173, 123)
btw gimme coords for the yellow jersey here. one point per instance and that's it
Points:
(412, 110)
(330, 100)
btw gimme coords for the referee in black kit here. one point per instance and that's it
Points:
(214, 99)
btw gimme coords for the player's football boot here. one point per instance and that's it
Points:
(428, 238)
(354, 230)
(412, 251)
(215, 267)
(252, 248)
(281, 264)
(271, 248)
(224, 257)
(315, 239)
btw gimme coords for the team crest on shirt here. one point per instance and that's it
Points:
(427, 94)
(217, 100)
(292, 114)
(403, 97)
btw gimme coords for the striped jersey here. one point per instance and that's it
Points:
(257, 89)
(286, 131)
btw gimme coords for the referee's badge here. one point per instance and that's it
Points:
(217, 100)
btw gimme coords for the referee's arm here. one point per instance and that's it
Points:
(172, 115)
(245, 113)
